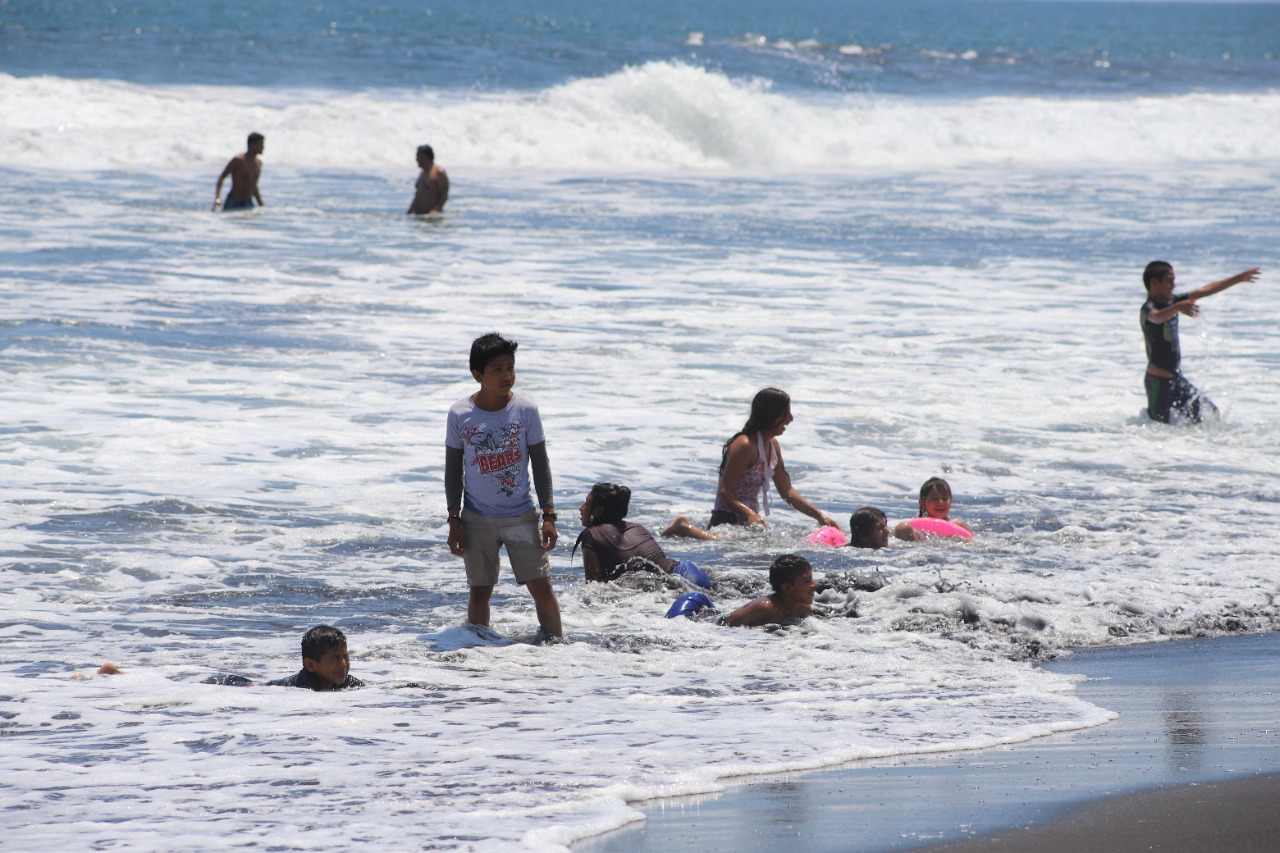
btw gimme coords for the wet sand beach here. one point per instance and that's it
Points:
(1190, 764)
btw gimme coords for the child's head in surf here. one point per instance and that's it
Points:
(935, 499)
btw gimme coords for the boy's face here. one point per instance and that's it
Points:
(332, 668)
(424, 162)
(800, 590)
(1161, 289)
(257, 146)
(498, 376)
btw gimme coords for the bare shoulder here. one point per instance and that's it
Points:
(762, 611)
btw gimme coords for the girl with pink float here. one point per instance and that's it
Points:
(934, 518)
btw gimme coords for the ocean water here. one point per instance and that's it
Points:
(927, 223)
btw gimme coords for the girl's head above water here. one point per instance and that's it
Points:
(935, 498)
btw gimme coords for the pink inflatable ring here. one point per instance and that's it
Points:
(939, 527)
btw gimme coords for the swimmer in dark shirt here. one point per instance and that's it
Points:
(613, 546)
(325, 665)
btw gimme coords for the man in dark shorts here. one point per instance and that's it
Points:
(1170, 397)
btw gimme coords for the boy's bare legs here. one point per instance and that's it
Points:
(544, 601)
(478, 605)
(683, 528)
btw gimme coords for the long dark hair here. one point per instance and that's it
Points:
(862, 523)
(612, 500)
(768, 406)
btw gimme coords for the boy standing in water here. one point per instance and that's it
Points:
(433, 184)
(491, 439)
(244, 170)
(1168, 391)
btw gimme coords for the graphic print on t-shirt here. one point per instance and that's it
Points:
(495, 454)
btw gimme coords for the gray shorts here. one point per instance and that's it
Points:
(483, 535)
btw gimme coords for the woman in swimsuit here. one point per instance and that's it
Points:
(750, 459)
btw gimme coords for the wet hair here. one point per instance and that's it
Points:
(786, 569)
(612, 500)
(428, 151)
(256, 137)
(486, 348)
(931, 484)
(1155, 270)
(321, 639)
(768, 406)
(862, 523)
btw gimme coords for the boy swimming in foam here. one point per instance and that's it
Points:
(791, 577)
(326, 665)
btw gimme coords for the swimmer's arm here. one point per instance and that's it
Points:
(591, 565)
(453, 498)
(1250, 274)
(217, 192)
(542, 485)
(1160, 316)
(782, 482)
(758, 612)
(906, 532)
(742, 455)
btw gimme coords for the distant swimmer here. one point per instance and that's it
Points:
(613, 546)
(244, 169)
(432, 189)
(868, 528)
(748, 462)
(935, 503)
(1170, 397)
(791, 577)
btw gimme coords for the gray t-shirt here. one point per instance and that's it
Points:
(495, 447)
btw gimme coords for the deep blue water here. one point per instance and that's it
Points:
(924, 47)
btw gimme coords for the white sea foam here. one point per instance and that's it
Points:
(660, 116)
(222, 429)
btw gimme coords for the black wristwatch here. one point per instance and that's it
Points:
(550, 516)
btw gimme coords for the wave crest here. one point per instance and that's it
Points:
(656, 117)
